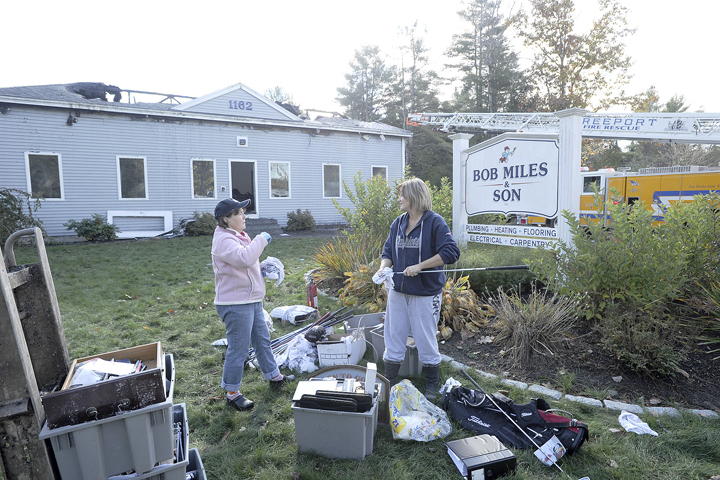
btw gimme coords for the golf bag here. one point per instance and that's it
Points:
(477, 413)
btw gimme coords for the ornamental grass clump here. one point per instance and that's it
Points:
(539, 324)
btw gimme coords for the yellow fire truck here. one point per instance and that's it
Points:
(656, 187)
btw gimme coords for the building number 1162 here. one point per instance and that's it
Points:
(240, 105)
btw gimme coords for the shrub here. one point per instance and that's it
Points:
(346, 253)
(461, 309)
(201, 223)
(375, 205)
(642, 337)
(361, 292)
(16, 212)
(634, 272)
(538, 324)
(300, 221)
(93, 228)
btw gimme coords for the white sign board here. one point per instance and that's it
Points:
(513, 173)
(512, 235)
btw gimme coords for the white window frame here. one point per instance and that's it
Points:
(119, 179)
(60, 172)
(270, 194)
(192, 179)
(339, 166)
(373, 167)
(240, 143)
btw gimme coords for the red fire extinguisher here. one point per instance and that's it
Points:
(312, 299)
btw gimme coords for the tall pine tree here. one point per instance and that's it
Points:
(489, 72)
(364, 97)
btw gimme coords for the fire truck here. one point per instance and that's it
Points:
(655, 187)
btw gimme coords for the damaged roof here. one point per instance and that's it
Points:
(95, 95)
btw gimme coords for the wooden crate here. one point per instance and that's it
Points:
(71, 406)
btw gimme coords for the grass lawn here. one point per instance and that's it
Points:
(127, 293)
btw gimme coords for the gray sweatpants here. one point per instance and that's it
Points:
(412, 315)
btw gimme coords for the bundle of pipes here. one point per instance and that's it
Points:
(278, 345)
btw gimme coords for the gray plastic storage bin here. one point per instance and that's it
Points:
(335, 434)
(366, 322)
(132, 441)
(172, 470)
(411, 363)
(195, 465)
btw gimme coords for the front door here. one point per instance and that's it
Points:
(243, 184)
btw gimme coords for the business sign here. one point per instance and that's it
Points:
(513, 235)
(513, 173)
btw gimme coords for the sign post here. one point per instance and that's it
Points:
(461, 141)
(569, 168)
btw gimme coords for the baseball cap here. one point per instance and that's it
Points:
(228, 205)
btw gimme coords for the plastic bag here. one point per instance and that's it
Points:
(295, 314)
(414, 417)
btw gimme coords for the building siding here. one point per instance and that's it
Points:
(90, 147)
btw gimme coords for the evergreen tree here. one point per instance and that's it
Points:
(489, 71)
(415, 84)
(364, 97)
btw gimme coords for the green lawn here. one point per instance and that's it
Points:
(127, 293)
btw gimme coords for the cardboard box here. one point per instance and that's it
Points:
(336, 351)
(481, 457)
(72, 406)
(134, 441)
(335, 434)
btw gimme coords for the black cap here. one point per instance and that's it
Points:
(228, 205)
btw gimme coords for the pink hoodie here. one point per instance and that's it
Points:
(237, 269)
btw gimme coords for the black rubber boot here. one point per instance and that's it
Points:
(432, 381)
(391, 372)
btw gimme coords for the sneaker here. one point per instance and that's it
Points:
(279, 383)
(241, 403)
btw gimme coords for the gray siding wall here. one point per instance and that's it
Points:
(89, 150)
(239, 104)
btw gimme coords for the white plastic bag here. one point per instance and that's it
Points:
(414, 417)
(295, 314)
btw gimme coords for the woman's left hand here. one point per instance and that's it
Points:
(412, 270)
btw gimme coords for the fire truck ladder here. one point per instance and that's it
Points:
(657, 127)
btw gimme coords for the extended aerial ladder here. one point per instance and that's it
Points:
(647, 127)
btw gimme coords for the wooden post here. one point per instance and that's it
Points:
(33, 355)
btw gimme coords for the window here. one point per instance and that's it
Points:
(279, 180)
(331, 181)
(44, 175)
(203, 178)
(382, 171)
(132, 178)
(589, 182)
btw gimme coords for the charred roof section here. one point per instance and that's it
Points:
(89, 90)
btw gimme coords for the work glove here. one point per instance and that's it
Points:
(267, 236)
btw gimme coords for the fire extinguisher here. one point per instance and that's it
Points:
(312, 299)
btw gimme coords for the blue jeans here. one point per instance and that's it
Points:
(245, 325)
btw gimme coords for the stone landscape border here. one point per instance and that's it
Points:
(608, 404)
